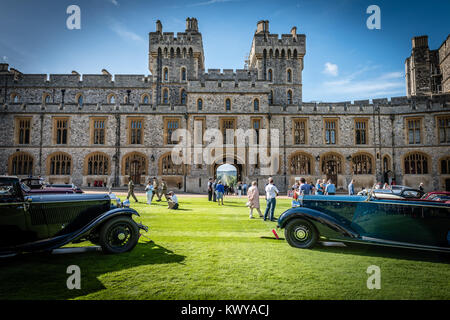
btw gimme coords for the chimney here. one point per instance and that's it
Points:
(158, 26)
(4, 67)
(266, 26)
(260, 26)
(294, 31)
(420, 42)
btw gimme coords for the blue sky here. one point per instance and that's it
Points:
(344, 59)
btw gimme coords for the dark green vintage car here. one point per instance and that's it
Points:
(44, 222)
(373, 219)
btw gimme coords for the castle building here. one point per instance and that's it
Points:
(97, 129)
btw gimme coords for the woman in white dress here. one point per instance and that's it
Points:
(149, 191)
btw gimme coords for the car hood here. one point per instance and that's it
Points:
(68, 197)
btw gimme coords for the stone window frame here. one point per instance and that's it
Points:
(339, 158)
(92, 129)
(366, 130)
(425, 157)
(304, 155)
(172, 169)
(105, 171)
(181, 97)
(166, 136)
(143, 96)
(439, 118)
(260, 120)
(129, 130)
(389, 163)
(181, 74)
(55, 120)
(17, 129)
(270, 75)
(221, 127)
(305, 121)
(289, 96)
(270, 97)
(362, 157)
(336, 129)
(164, 91)
(14, 97)
(77, 99)
(225, 104)
(256, 107)
(143, 159)
(445, 159)
(420, 128)
(289, 77)
(46, 95)
(201, 104)
(166, 74)
(110, 97)
(65, 158)
(26, 158)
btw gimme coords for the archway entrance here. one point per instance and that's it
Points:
(229, 174)
(331, 167)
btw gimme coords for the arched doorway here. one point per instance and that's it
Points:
(332, 166)
(229, 174)
(134, 166)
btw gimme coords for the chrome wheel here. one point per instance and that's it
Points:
(301, 233)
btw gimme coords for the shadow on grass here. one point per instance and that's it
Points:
(272, 238)
(387, 252)
(43, 276)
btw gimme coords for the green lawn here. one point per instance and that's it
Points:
(205, 251)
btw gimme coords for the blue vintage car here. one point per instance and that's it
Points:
(373, 219)
(43, 222)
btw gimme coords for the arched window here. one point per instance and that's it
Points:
(46, 98)
(21, 163)
(191, 53)
(283, 54)
(167, 167)
(184, 52)
(270, 53)
(295, 53)
(289, 53)
(256, 105)
(289, 97)
(271, 97)
(183, 74)
(166, 74)
(145, 99)
(277, 54)
(300, 164)
(227, 104)
(165, 52)
(80, 100)
(269, 75)
(386, 164)
(331, 164)
(289, 75)
(111, 98)
(134, 164)
(178, 53)
(362, 164)
(445, 165)
(165, 96)
(172, 53)
(183, 97)
(15, 97)
(97, 164)
(416, 163)
(199, 104)
(59, 164)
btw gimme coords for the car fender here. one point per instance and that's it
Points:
(63, 239)
(316, 217)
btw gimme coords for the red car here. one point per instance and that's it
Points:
(443, 196)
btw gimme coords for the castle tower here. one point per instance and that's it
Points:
(280, 62)
(175, 60)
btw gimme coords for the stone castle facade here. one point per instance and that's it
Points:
(98, 129)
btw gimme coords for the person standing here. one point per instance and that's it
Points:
(421, 186)
(156, 188)
(239, 189)
(319, 187)
(220, 191)
(163, 189)
(210, 190)
(244, 188)
(214, 190)
(131, 190)
(330, 189)
(271, 195)
(305, 188)
(351, 188)
(253, 199)
(149, 191)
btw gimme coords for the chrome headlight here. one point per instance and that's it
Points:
(113, 197)
(126, 203)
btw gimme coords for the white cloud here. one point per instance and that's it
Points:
(206, 3)
(331, 69)
(124, 33)
(114, 2)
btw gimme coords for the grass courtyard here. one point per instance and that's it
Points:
(206, 251)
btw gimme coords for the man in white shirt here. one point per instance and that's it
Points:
(271, 195)
(172, 201)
